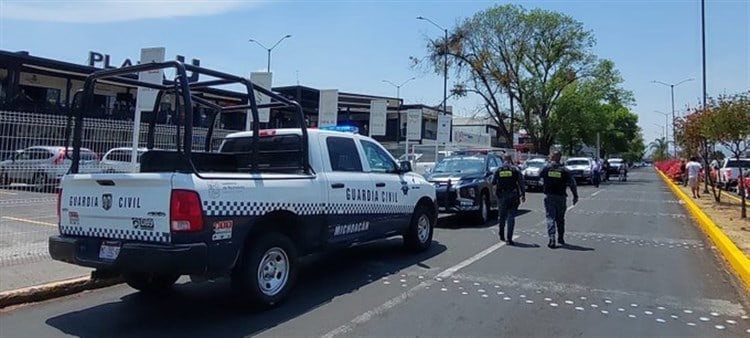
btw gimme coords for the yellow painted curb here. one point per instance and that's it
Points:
(737, 260)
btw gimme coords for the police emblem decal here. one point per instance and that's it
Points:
(107, 201)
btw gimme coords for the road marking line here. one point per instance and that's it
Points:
(596, 193)
(7, 193)
(24, 220)
(393, 302)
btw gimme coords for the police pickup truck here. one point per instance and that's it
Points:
(247, 211)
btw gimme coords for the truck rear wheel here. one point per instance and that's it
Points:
(418, 237)
(266, 271)
(150, 282)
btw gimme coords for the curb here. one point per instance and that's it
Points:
(737, 260)
(53, 290)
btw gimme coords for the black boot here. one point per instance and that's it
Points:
(551, 243)
(560, 240)
(502, 234)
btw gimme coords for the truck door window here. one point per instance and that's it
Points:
(343, 154)
(377, 158)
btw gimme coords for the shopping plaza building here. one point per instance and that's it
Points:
(36, 93)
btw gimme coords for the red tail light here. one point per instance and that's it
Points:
(186, 213)
(267, 132)
(59, 212)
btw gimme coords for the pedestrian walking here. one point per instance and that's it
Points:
(683, 174)
(693, 169)
(596, 172)
(511, 192)
(556, 181)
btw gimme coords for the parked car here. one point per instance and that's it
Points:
(730, 171)
(581, 168)
(463, 184)
(531, 169)
(43, 166)
(117, 160)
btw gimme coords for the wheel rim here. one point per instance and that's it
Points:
(273, 271)
(423, 228)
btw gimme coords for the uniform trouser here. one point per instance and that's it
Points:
(596, 177)
(554, 206)
(507, 208)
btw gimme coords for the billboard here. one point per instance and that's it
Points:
(146, 97)
(444, 128)
(328, 106)
(414, 124)
(262, 79)
(378, 110)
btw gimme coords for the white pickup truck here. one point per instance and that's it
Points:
(248, 211)
(729, 171)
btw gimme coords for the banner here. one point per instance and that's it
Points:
(414, 124)
(444, 128)
(328, 107)
(378, 110)
(146, 97)
(264, 80)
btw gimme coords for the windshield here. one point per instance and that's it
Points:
(535, 164)
(577, 162)
(460, 165)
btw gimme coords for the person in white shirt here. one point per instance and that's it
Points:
(693, 169)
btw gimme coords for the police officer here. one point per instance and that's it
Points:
(556, 179)
(510, 191)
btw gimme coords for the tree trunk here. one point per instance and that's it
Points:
(741, 187)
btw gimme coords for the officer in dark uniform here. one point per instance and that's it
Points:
(556, 180)
(510, 191)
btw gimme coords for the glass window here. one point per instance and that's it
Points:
(378, 158)
(460, 164)
(343, 154)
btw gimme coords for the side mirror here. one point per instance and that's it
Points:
(405, 166)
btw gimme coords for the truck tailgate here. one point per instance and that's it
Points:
(116, 206)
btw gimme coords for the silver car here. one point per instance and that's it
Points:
(43, 166)
(117, 160)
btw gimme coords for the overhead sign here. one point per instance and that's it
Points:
(264, 80)
(328, 107)
(444, 128)
(147, 96)
(378, 110)
(414, 124)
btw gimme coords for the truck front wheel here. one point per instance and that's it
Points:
(418, 237)
(265, 273)
(150, 282)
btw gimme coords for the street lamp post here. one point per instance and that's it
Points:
(398, 98)
(671, 87)
(445, 71)
(666, 132)
(269, 49)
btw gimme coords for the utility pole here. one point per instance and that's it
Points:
(268, 69)
(398, 115)
(674, 118)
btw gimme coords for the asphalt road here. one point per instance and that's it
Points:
(635, 265)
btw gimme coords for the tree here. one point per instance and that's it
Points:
(728, 122)
(529, 55)
(660, 149)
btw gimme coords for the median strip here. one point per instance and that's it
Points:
(737, 260)
(55, 289)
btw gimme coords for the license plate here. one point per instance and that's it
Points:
(109, 250)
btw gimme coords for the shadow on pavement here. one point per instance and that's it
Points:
(573, 247)
(455, 222)
(210, 310)
(522, 245)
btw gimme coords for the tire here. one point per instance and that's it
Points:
(482, 216)
(41, 183)
(4, 180)
(271, 251)
(418, 237)
(151, 283)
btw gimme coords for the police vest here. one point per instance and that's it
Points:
(555, 181)
(506, 179)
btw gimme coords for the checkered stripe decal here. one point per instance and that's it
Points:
(137, 235)
(243, 208)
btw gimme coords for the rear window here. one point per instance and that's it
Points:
(88, 155)
(577, 162)
(267, 143)
(275, 153)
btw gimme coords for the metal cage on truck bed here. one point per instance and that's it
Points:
(183, 159)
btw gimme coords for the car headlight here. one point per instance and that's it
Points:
(469, 181)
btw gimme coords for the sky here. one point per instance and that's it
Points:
(353, 46)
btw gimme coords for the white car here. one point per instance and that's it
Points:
(117, 160)
(581, 168)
